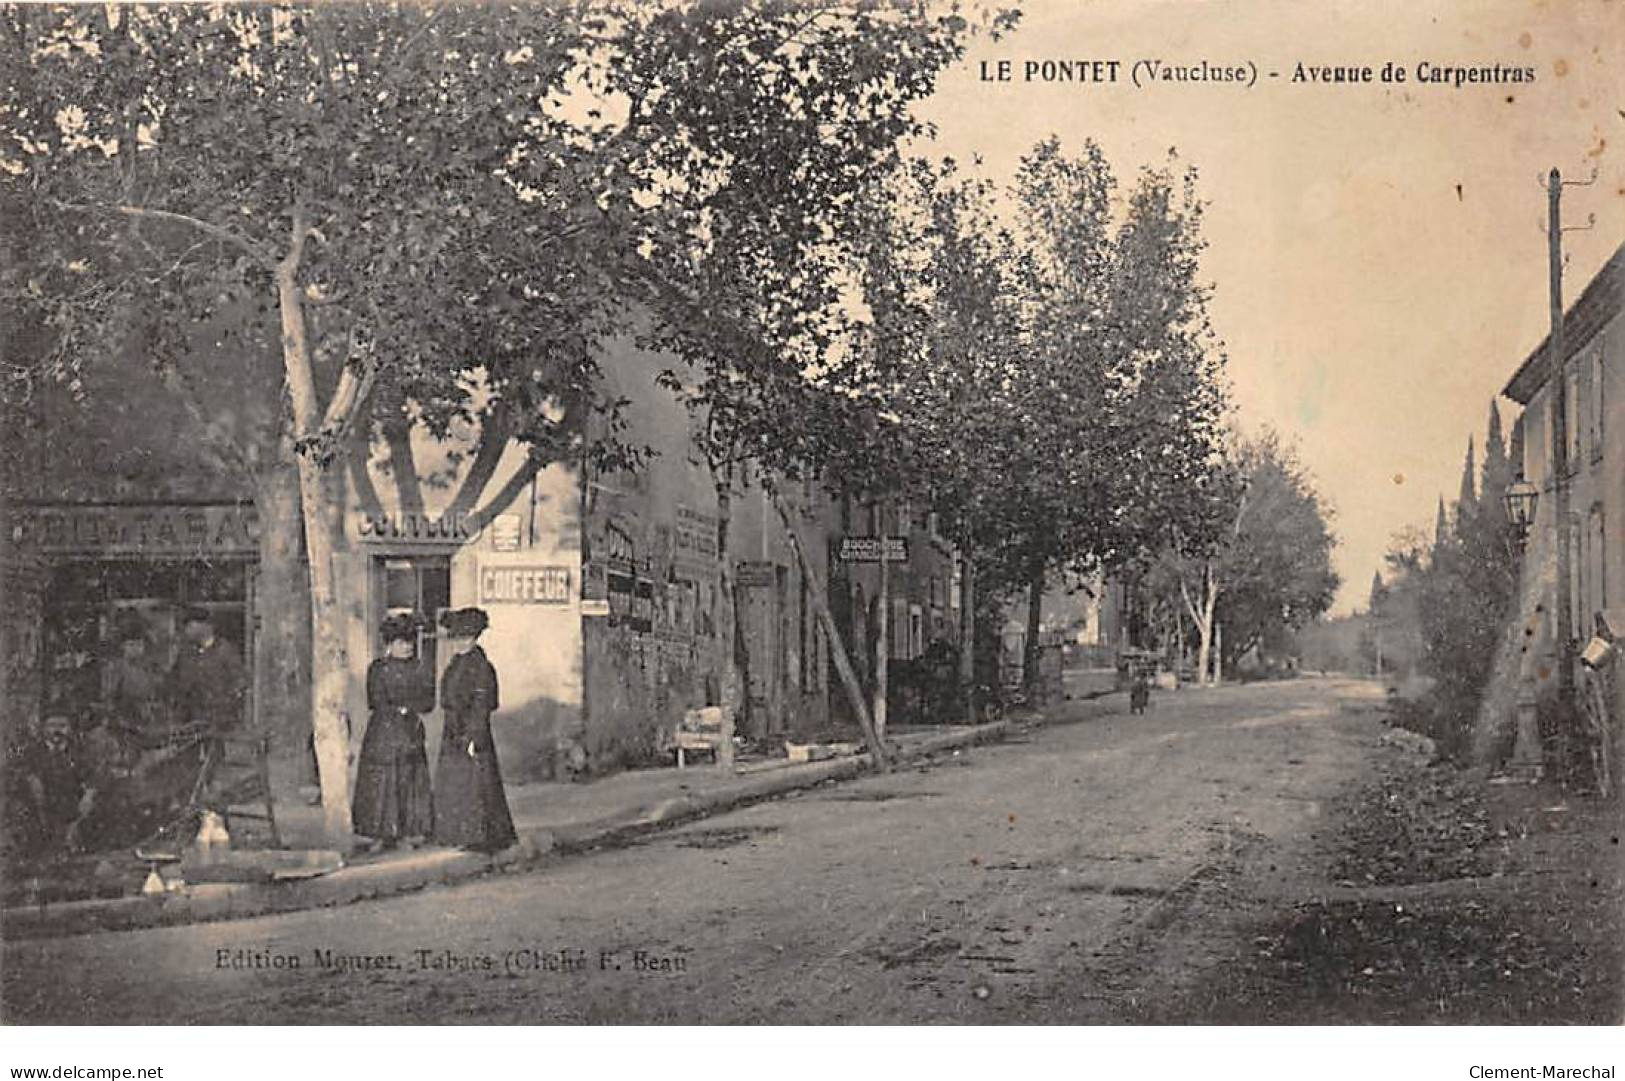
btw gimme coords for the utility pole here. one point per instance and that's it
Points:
(1563, 612)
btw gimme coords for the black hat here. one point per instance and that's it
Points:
(464, 622)
(195, 614)
(399, 627)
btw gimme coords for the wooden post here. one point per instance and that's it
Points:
(1564, 609)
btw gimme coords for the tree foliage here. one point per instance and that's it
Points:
(1251, 555)
(1044, 361)
(1277, 571)
(1455, 594)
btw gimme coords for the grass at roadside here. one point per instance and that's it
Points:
(1441, 900)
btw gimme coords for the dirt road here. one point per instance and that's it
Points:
(1026, 882)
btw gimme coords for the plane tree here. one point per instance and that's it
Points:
(438, 215)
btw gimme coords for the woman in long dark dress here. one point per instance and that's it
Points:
(393, 801)
(471, 808)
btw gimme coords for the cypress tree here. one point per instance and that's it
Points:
(1467, 499)
(1497, 474)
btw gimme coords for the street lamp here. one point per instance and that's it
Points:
(1527, 755)
(1520, 499)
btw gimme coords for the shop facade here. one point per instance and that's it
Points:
(617, 601)
(95, 570)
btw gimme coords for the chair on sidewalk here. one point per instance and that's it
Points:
(236, 776)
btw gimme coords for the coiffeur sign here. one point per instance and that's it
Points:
(134, 529)
(525, 585)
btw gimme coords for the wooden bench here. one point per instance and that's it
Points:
(710, 728)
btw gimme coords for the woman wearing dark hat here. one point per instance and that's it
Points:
(470, 804)
(393, 801)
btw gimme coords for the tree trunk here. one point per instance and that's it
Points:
(1218, 654)
(1179, 640)
(329, 662)
(1031, 653)
(883, 630)
(967, 636)
(843, 663)
(282, 606)
(1203, 618)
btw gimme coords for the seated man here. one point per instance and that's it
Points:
(52, 789)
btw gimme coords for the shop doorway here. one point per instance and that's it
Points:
(420, 587)
(416, 586)
(761, 589)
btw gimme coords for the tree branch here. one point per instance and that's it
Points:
(1190, 605)
(403, 465)
(495, 431)
(360, 452)
(351, 391)
(237, 240)
(177, 382)
(516, 484)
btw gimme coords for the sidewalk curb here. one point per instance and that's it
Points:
(417, 870)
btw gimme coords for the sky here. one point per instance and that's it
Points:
(1377, 251)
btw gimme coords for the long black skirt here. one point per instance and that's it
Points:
(393, 795)
(471, 806)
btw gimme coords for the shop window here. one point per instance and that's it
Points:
(1579, 621)
(812, 644)
(419, 587)
(1598, 411)
(215, 581)
(84, 602)
(139, 579)
(1598, 562)
(1574, 415)
(907, 629)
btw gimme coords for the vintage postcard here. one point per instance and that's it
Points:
(1081, 514)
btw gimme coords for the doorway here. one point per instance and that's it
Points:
(420, 587)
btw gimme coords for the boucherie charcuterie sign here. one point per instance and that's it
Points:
(141, 529)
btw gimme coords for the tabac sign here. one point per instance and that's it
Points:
(211, 529)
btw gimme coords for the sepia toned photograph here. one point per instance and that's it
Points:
(784, 513)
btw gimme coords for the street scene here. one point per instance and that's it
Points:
(1100, 868)
(810, 514)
